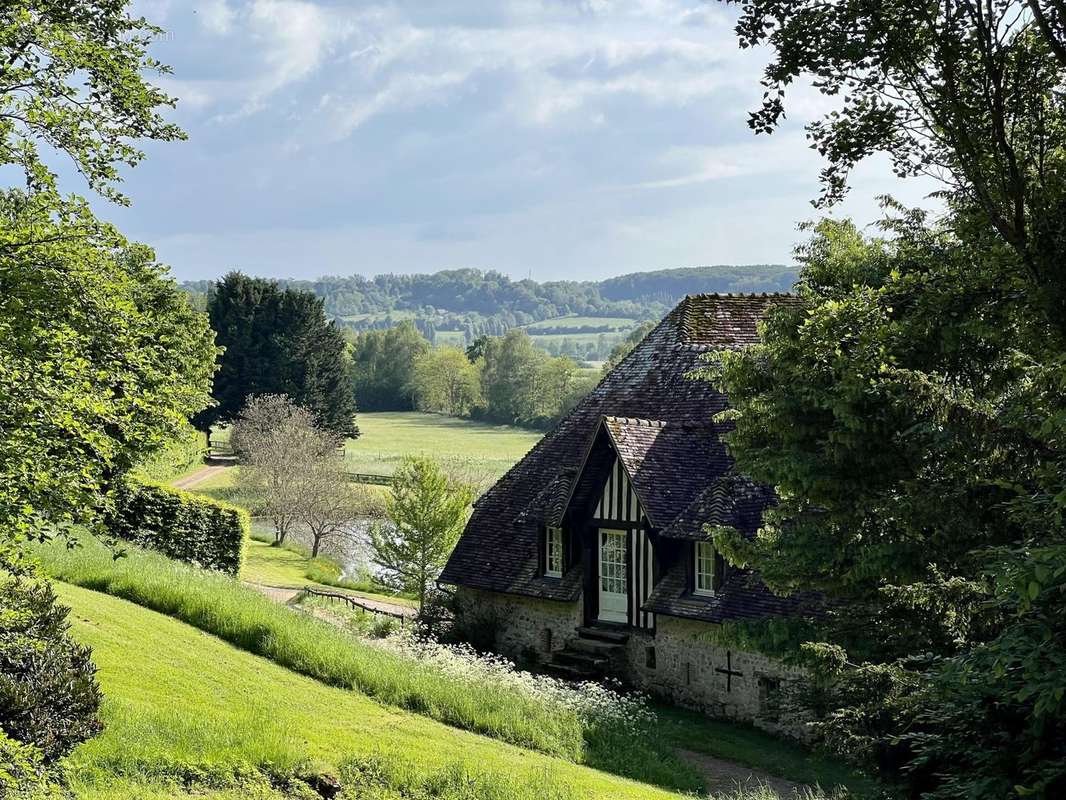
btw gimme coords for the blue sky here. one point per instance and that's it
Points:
(552, 139)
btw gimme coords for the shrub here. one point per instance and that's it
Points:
(48, 694)
(23, 775)
(180, 525)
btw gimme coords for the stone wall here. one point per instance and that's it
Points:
(674, 663)
(526, 629)
(678, 663)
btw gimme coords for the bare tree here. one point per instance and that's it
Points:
(327, 502)
(276, 441)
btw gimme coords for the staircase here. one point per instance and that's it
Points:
(593, 654)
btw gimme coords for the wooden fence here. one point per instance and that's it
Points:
(356, 604)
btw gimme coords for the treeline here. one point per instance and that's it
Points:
(471, 300)
(502, 379)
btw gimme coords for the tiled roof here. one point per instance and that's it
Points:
(732, 501)
(660, 420)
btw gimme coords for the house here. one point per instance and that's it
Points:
(590, 554)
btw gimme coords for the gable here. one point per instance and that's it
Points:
(618, 501)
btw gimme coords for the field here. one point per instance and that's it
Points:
(616, 323)
(184, 707)
(474, 451)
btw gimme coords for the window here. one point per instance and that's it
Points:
(705, 569)
(553, 553)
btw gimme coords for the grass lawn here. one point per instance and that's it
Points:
(476, 451)
(185, 707)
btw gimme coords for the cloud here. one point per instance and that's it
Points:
(778, 154)
(217, 16)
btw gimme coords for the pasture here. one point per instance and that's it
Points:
(476, 452)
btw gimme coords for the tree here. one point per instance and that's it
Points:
(909, 412)
(71, 77)
(966, 91)
(509, 375)
(277, 442)
(383, 366)
(103, 360)
(426, 514)
(445, 381)
(278, 342)
(327, 502)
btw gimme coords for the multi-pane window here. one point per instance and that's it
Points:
(705, 583)
(553, 551)
(613, 568)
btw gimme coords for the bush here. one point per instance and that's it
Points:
(23, 775)
(48, 694)
(180, 525)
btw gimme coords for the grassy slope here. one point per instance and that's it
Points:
(386, 437)
(578, 322)
(177, 697)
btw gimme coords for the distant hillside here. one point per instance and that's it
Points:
(584, 318)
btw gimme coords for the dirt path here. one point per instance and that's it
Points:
(724, 777)
(199, 476)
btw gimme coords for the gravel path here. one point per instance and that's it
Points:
(723, 777)
(201, 475)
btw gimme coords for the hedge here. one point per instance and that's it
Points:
(180, 525)
(183, 453)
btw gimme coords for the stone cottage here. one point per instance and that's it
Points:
(590, 555)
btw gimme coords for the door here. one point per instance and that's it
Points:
(614, 577)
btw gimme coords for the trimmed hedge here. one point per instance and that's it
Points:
(180, 525)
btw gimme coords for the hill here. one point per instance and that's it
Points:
(584, 319)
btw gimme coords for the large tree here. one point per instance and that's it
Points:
(101, 358)
(383, 365)
(966, 91)
(278, 342)
(445, 381)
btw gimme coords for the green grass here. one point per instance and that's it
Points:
(618, 323)
(242, 616)
(744, 744)
(475, 451)
(187, 715)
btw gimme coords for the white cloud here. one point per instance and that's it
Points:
(216, 16)
(778, 154)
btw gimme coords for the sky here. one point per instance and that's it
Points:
(552, 139)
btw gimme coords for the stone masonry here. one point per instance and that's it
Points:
(675, 663)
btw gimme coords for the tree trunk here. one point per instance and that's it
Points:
(316, 544)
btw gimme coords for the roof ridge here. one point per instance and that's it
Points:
(640, 421)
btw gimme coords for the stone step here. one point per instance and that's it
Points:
(572, 671)
(603, 634)
(595, 646)
(578, 659)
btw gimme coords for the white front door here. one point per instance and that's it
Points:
(614, 577)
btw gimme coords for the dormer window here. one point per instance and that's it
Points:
(706, 579)
(553, 552)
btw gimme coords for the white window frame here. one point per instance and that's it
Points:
(553, 552)
(704, 559)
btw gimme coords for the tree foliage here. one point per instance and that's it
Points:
(445, 381)
(967, 91)
(71, 78)
(426, 513)
(276, 440)
(909, 412)
(383, 364)
(278, 342)
(102, 361)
